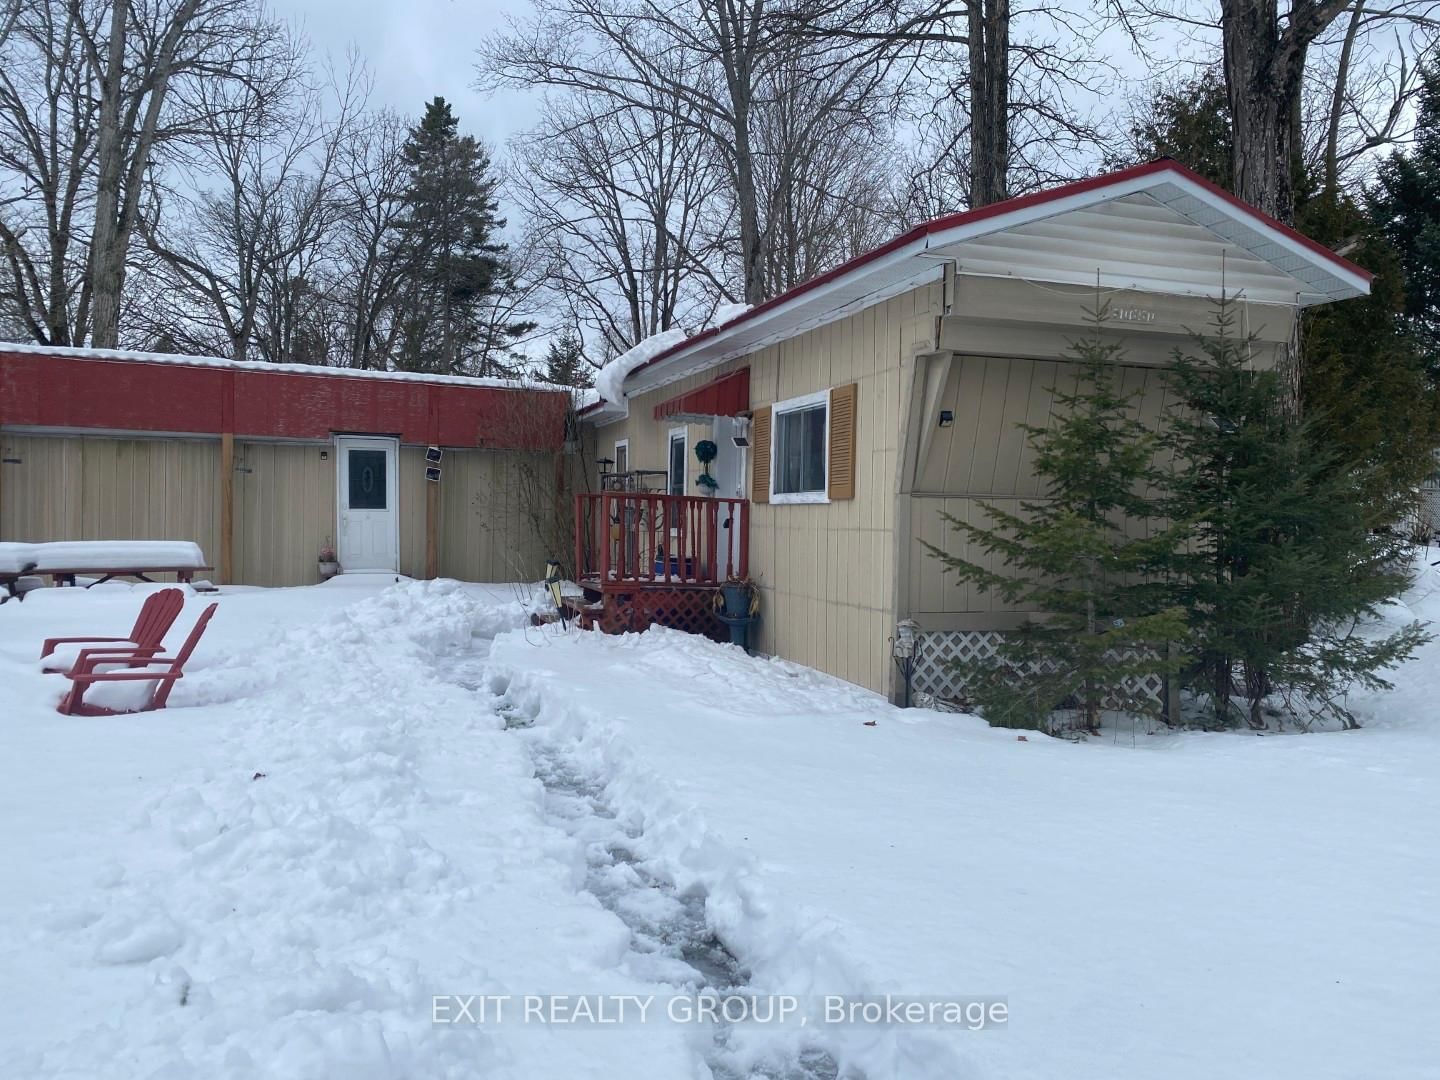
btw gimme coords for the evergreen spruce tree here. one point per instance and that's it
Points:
(1405, 204)
(1282, 567)
(565, 363)
(455, 263)
(1188, 120)
(1084, 555)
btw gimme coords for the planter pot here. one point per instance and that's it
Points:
(737, 600)
(328, 570)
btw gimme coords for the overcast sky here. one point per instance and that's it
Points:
(416, 49)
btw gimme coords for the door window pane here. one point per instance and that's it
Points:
(677, 465)
(800, 450)
(367, 479)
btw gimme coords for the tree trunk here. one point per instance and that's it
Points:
(123, 150)
(1264, 71)
(1337, 106)
(989, 45)
(105, 269)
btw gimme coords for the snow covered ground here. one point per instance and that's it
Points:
(367, 795)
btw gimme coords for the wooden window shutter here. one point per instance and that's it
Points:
(760, 455)
(841, 472)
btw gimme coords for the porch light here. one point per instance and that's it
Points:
(947, 418)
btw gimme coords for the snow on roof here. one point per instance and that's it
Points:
(611, 378)
(260, 365)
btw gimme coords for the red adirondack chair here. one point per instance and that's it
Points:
(147, 637)
(163, 671)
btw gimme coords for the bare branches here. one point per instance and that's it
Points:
(240, 248)
(617, 198)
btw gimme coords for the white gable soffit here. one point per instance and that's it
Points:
(1161, 238)
(1152, 228)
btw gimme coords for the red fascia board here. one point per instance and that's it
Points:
(1038, 198)
(42, 390)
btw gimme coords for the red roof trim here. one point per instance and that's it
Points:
(75, 393)
(967, 217)
(729, 395)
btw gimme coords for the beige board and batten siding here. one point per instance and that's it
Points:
(486, 528)
(826, 572)
(284, 510)
(494, 506)
(71, 487)
(1006, 342)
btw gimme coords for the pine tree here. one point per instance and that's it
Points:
(1083, 555)
(455, 263)
(565, 363)
(1405, 203)
(1282, 567)
(1189, 121)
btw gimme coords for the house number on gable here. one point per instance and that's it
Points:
(1133, 314)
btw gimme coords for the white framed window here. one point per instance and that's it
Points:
(678, 462)
(800, 449)
(622, 455)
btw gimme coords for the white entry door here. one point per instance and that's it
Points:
(368, 529)
(729, 472)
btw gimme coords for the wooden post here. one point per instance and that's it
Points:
(432, 528)
(227, 508)
(1172, 689)
(227, 479)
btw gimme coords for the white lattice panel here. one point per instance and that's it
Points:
(942, 655)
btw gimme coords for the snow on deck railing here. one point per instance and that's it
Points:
(65, 351)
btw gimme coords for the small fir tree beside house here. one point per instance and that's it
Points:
(1084, 554)
(1285, 568)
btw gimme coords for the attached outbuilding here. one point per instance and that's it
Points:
(267, 466)
(849, 413)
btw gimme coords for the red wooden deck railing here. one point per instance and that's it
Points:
(624, 539)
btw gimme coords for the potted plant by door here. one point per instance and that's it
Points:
(329, 565)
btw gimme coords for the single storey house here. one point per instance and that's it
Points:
(267, 465)
(848, 413)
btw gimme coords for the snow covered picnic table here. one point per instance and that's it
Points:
(65, 560)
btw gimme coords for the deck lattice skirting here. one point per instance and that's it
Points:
(941, 656)
(691, 609)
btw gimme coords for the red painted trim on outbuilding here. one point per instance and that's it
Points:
(729, 395)
(77, 392)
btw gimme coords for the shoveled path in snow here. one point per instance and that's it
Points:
(1188, 907)
(671, 944)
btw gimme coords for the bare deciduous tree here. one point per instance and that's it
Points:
(619, 201)
(241, 248)
(1310, 82)
(93, 96)
(736, 52)
(48, 126)
(369, 267)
